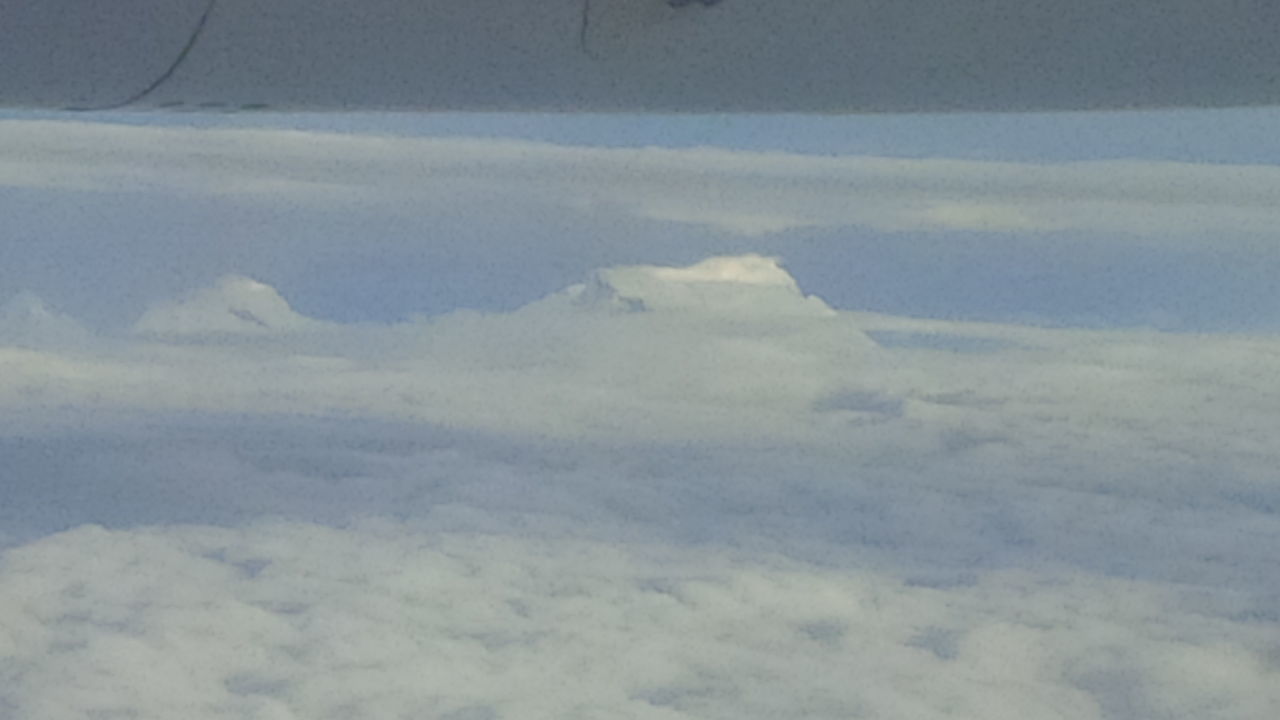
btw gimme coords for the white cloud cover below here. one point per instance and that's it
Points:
(286, 620)
(661, 493)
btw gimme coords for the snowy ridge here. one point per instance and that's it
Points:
(26, 320)
(738, 285)
(235, 305)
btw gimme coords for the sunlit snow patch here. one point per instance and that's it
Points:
(744, 284)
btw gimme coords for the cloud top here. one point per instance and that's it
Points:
(717, 497)
(726, 348)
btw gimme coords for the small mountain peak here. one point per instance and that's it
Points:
(597, 293)
(25, 319)
(25, 304)
(235, 305)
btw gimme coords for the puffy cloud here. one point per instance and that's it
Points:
(568, 364)
(727, 349)
(664, 492)
(284, 620)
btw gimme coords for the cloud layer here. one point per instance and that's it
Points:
(660, 493)
(728, 348)
(283, 620)
(742, 192)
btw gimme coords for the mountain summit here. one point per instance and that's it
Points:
(26, 320)
(734, 285)
(235, 305)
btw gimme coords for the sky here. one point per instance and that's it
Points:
(1200, 185)
(481, 417)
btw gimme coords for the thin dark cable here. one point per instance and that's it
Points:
(186, 50)
(585, 26)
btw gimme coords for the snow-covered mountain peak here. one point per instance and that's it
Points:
(234, 304)
(740, 285)
(26, 319)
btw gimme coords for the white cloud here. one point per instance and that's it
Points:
(660, 493)
(567, 364)
(997, 218)
(742, 192)
(285, 620)
(665, 492)
(729, 348)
